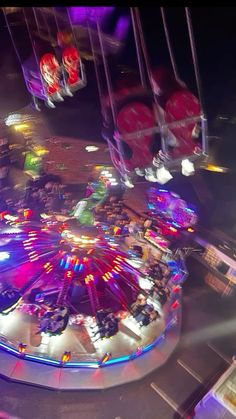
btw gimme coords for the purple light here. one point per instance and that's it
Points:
(80, 15)
(122, 28)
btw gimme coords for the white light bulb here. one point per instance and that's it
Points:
(187, 167)
(163, 175)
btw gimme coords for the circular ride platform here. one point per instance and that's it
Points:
(58, 284)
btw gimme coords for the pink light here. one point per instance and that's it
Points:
(175, 305)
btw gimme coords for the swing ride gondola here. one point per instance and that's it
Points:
(56, 31)
(157, 126)
(54, 69)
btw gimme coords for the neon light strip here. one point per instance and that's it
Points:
(42, 360)
(82, 364)
(92, 364)
(116, 360)
(9, 349)
(86, 364)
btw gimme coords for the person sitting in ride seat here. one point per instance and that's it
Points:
(155, 271)
(138, 305)
(147, 315)
(108, 326)
(163, 295)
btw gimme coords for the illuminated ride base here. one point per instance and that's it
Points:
(58, 283)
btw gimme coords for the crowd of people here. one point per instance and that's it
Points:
(45, 194)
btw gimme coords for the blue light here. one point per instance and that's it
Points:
(82, 364)
(4, 256)
(148, 347)
(162, 190)
(67, 263)
(9, 349)
(117, 360)
(80, 267)
(172, 263)
(42, 360)
(175, 224)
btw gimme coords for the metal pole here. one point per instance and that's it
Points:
(194, 56)
(36, 19)
(204, 126)
(137, 44)
(174, 66)
(160, 118)
(198, 81)
(108, 79)
(95, 66)
(72, 29)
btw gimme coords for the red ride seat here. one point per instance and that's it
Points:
(182, 105)
(135, 113)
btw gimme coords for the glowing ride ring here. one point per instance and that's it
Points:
(172, 321)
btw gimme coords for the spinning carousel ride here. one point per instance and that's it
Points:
(70, 298)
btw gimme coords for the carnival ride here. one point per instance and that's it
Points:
(153, 124)
(62, 279)
(54, 68)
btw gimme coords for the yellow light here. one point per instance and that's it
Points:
(40, 151)
(190, 230)
(21, 127)
(217, 169)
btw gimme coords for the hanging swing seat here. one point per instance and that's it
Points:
(137, 138)
(181, 111)
(134, 112)
(32, 78)
(165, 128)
(34, 83)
